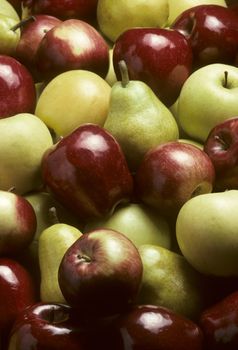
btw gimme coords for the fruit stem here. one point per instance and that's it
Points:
(53, 215)
(225, 79)
(124, 73)
(12, 189)
(22, 23)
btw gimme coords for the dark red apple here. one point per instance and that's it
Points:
(87, 172)
(172, 173)
(101, 273)
(219, 324)
(212, 32)
(17, 89)
(161, 58)
(31, 35)
(73, 44)
(18, 223)
(221, 146)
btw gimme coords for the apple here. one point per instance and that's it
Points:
(7, 9)
(31, 35)
(212, 32)
(9, 35)
(86, 172)
(160, 57)
(208, 97)
(72, 44)
(101, 273)
(172, 173)
(17, 292)
(19, 96)
(15, 234)
(221, 146)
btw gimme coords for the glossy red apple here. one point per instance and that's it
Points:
(31, 35)
(172, 173)
(16, 293)
(17, 89)
(219, 324)
(73, 44)
(221, 146)
(212, 32)
(101, 273)
(17, 223)
(161, 58)
(87, 172)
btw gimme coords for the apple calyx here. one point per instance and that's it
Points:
(22, 23)
(84, 258)
(224, 144)
(56, 316)
(124, 73)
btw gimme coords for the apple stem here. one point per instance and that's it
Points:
(22, 23)
(124, 73)
(53, 215)
(12, 189)
(225, 79)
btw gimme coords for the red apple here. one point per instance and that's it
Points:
(221, 146)
(17, 89)
(212, 32)
(73, 44)
(87, 172)
(172, 173)
(17, 223)
(219, 324)
(31, 35)
(101, 273)
(161, 58)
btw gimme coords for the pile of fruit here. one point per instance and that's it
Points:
(119, 175)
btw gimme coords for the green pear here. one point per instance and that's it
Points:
(169, 280)
(116, 16)
(24, 139)
(137, 118)
(139, 223)
(206, 231)
(9, 36)
(53, 243)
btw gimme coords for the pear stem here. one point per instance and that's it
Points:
(225, 79)
(124, 73)
(22, 23)
(53, 215)
(12, 189)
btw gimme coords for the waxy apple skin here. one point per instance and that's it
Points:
(161, 58)
(172, 173)
(219, 324)
(73, 44)
(101, 273)
(212, 32)
(87, 172)
(17, 89)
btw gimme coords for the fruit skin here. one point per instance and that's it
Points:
(100, 274)
(162, 58)
(212, 32)
(81, 95)
(172, 173)
(15, 234)
(219, 324)
(9, 38)
(72, 44)
(221, 146)
(206, 233)
(7, 9)
(20, 95)
(208, 97)
(21, 159)
(93, 175)
(158, 328)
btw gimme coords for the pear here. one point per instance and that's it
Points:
(206, 230)
(137, 118)
(53, 243)
(139, 223)
(24, 139)
(169, 281)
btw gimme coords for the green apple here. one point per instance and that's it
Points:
(9, 37)
(53, 243)
(73, 98)
(208, 97)
(206, 231)
(170, 281)
(139, 223)
(116, 16)
(8, 10)
(24, 139)
(177, 7)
